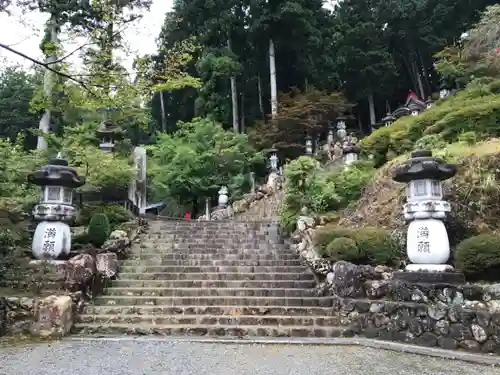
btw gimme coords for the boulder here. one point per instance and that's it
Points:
(107, 264)
(117, 241)
(53, 317)
(347, 279)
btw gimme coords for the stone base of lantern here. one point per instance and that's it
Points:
(51, 239)
(430, 277)
(429, 267)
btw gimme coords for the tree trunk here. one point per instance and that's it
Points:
(48, 76)
(242, 117)
(234, 95)
(274, 89)
(410, 72)
(371, 107)
(261, 105)
(425, 73)
(418, 76)
(163, 114)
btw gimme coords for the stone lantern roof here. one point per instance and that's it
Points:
(57, 173)
(423, 165)
(107, 128)
(388, 118)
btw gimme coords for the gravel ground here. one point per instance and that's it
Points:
(101, 357)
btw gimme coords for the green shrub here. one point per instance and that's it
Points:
(375, 246)
(430, 142)
(342, 248)
(479, 257)
(99, 229)
(321, 190)
(325, 235)
(116, 214)
(469, 138)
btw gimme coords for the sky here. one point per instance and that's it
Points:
(24, 33)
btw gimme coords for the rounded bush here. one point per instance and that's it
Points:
(342, 248)
(479, 257)
(377, 246)
(325, 235)
(99, 229)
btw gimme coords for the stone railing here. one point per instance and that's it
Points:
(71, 282)
(376, 305)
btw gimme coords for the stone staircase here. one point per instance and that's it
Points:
(212, 278)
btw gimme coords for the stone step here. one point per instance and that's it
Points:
(130, 274)
(209, 310)
(207, 256)
(129, 283)
(212, 292)
(212, 269)
(209, 247)
(215, 263)
(211, 330)
(214, 301)
(231, 320)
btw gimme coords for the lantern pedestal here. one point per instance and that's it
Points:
(427, 246)
(51, 239)
(433, 277)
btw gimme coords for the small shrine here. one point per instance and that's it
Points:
(428, 246)
(57, 181)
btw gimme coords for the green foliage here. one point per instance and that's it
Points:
(479, 256)
(373, 246)
(115, 213)
(430, 142)
(342, 248)
(98, 230)
(308, 185)
(197, 160)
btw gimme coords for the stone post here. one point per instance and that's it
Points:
(57, 181)
(207, 208)
(427, 246)
(252, 182)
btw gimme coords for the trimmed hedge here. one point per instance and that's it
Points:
(373, 246)
(99, 230)
(478, 257)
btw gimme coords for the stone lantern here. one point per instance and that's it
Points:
(388, 120)
(444, 91)
(429, 103)
(309, 145)
(350, 154)
(414, 109)
(274, 160)
(57, 181)
(427, 246)
(223, 196)
(341, 128)
(108, 135)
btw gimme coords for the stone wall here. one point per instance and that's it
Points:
(376, 305)
(63, 287)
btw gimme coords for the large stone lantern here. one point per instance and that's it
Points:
(57, 181)
(427, 246)
(274, 160)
